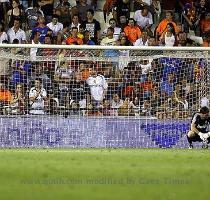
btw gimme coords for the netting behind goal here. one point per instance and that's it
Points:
(100, 98)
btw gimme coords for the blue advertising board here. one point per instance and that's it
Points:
(60, 132)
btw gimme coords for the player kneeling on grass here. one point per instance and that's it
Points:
(199, 125)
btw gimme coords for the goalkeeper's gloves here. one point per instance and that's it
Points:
(203, 136)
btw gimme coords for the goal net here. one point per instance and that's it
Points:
(100, 97)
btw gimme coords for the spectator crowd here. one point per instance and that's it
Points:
(73, 22)
(163, 87)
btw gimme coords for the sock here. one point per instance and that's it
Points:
(189, 140)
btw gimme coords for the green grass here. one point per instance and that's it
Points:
(104, 174)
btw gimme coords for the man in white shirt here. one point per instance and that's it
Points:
(143, 18)
(37, 96)
(75, 21)
(3, 35)
(204, 102)
(117, 30)
(16, 33)
(109, 41)
(55, 26)
(116, 103)
(33, 51)
(143, 41)
(145, 68)
(98, 87)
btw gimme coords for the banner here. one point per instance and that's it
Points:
(60, 132)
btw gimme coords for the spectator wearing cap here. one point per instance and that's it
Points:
(93, 26)
(16, 32)
(74, 39)
(132, 31)
(55, 26)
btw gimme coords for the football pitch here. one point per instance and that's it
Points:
(108, 174)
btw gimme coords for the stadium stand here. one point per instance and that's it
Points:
(176, 79)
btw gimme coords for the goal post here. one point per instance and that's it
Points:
(100, 96)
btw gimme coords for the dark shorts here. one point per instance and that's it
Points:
(197, 138)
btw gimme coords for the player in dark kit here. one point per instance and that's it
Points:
(199, 128)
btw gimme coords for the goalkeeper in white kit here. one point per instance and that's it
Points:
(199, 128)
